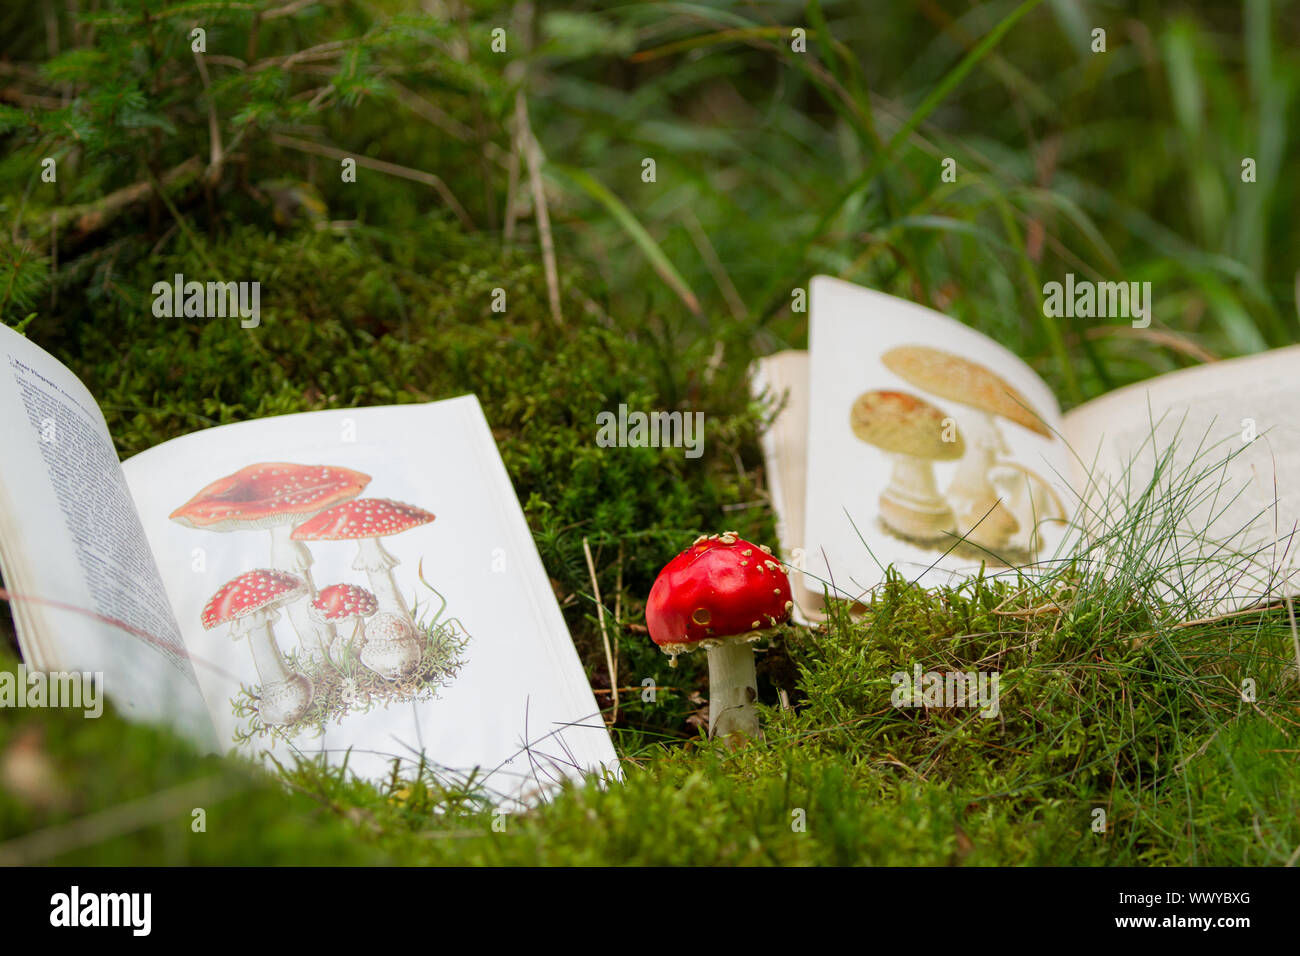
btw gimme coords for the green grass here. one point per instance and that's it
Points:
(771, 165)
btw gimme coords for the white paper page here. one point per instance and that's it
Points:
(1235, 542)
(86, 594)
(782, 379)
(851, 329)
(519, 708)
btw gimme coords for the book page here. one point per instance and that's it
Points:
(1234, 420)
(85, 592)
(930, 447)
(781, 380)
(453, 646)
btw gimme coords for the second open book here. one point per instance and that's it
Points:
(905, 438)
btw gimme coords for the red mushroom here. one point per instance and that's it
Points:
(249, 605)
(365, 521)
(721, 594)
(276, 496)
(339, 604)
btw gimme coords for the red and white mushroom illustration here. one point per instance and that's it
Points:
(721, 594)
(390, 648)
(365, 521)
(275, 496)
(983, 396)
(339, 605)
(249, 604)
(911, 432)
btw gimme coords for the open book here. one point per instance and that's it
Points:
(905, 438)
(359, 583)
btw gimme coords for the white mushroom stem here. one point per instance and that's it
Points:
(911, 504)
(378, 565)
(257, 627)
(980, 429)
(733, 688)
(340, 645)
(1030, 500)
(293, 556)
(286, 553)
(971, 492)
(981, 516)
(912, 480)
(285, 695)
(970, 489)
(1014, 489)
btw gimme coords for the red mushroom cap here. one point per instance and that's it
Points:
(363, 518)
(251, 591)
(338, 602)
(721, 587)
(269, 493)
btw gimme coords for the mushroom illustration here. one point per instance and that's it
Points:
(982, 516)
(983, 396)
(338, 605)
(912, 432)
(366, 520)
(1030, 499)
(275, 496)
(721, 594)
(390, 649)
(249, 604)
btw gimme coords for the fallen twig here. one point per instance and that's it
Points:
(215, 154)
(379, 165)
(1231, 614)
(604, 632)
(425, 109)
(533, 157)
(87, 218)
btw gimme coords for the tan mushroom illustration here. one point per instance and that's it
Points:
(982, 396)
(276, 496)
(912, 432)
(1032, 502)
(249, 603)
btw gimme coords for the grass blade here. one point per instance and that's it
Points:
(778, 292)
(632, 226)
